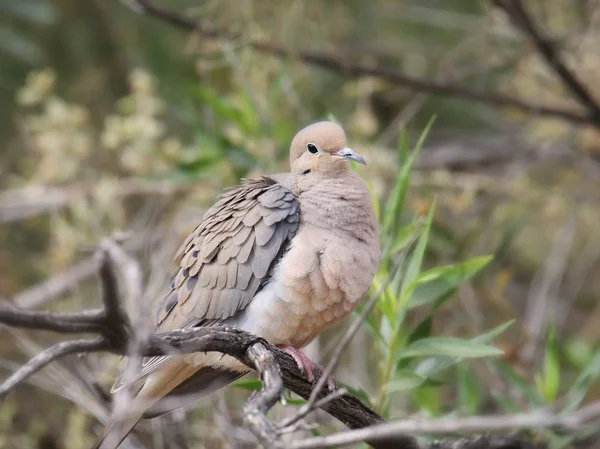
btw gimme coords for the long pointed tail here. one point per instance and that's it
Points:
(178, 380)
(116, 431)
(156, 386)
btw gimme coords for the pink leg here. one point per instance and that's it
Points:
(306, 365)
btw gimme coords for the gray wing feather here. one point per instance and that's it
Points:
(224, 261)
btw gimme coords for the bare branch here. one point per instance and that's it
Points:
(477, 424)
(130, 270)
(331, 62)
(115, 316)
(108, 283)
(277, 368)
(73, 322)
(234, 342)
(517, 11)
(50, 354)
(346, 408)
(256, 408)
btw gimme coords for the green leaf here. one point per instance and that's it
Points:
(372, 327)
(395, 203)
(295, 401)
(582, 384)
(403, 147)
(423, 330)
(222, 107)
(432, 365)
(491, 334)
(548, 381)
(578, 352)
(200, 164)
(416, 259)
(468, 393)
(428, 400)
(436, 282)
(404, 380)
(248, 384)
(386, 305)
(449, 346)
(404, 237)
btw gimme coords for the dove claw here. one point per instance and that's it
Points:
(306, 365)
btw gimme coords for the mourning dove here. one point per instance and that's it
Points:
(282, 257)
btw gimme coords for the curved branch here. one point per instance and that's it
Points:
(347, 408)
(256, 408)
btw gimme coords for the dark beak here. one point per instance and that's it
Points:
(350, 155)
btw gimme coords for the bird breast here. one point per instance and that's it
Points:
(325, 272)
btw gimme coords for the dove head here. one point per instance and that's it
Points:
(320, 150)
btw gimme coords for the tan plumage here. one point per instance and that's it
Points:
(282, 257)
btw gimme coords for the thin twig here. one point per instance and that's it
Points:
(284, 425)
(331, 62)
(67, 322)
(50, 354)
(517, 11)
(477, 424)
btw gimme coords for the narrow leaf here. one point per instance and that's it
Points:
(589, 375)
(416, 259)
(436, 282)
(550, 378)
(248, 384)
(491, 334)
(404, 380)
(449, 346)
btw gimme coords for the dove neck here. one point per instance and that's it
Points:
(339, 204)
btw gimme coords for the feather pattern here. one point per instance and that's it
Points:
(225, 259)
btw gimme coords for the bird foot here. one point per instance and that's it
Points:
(306, 365)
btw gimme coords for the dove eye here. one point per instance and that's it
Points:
(312, 148)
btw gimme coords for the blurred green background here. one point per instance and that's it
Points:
(113, 120)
